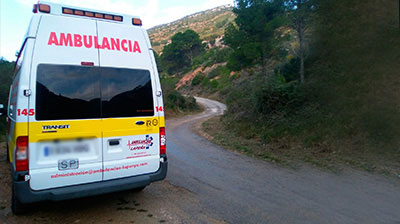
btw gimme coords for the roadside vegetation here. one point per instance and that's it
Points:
(333, 98)
(304, 80)
(6, 74)
(174, 102)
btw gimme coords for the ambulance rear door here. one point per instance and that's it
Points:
(65, 138)
(130, 125)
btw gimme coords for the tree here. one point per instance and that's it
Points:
(180, 52)
(6, 74)
(300, 12)
(253, 36)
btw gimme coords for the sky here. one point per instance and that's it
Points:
(16, 14)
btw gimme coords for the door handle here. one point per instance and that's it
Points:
(113, 142)
(140, 122)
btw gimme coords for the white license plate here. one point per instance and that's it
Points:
(68, 164)
(65, 149)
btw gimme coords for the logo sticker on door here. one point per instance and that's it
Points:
(140, 144)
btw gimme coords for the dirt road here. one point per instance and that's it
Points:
(207, 184)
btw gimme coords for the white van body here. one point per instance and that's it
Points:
(85, 108)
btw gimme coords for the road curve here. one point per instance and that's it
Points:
(234, 188)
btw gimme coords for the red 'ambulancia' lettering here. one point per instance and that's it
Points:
(123, 45)
(136, 47)
(105, 44)
(88, 41)
(130, 46)
(77, 40)
(115, 44)
(66, 40)
(96, 43)
(53, 39)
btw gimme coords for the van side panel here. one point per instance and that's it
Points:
(18, 122)
(62, 44)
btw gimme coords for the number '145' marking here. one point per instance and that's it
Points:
(25, 112)
(159, 109)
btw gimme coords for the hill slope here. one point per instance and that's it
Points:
(209, 24)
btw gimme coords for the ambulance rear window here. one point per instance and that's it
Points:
(126, 93)
(80, 92)
(67, 92)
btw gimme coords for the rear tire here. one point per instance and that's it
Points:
(17, 207)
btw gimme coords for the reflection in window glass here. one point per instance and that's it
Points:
(67, 92)
(74, 92)
(126, 92)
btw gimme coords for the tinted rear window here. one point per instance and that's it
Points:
(67, 92)
(126, 93)
(77, 92)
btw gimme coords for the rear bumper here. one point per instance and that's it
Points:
(26, 195)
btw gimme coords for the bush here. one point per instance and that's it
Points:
(212, 42)
(197, 79)
(6, 72)
(264, 98)
(220, 71)
(278, 97)
(290, 70)
(221, 23)
(222, 55)
(173, 100)
(205, 58)
(214, 84)
(191, 103)
(205, 83)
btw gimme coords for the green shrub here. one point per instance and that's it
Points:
(205, 83)
(219, 71)
(278, 97)
(6, 72)
(290, 70)
(214, 84)
(222, 55)
(173, 100)
(197, 79)
(212, 42)
(221, 23)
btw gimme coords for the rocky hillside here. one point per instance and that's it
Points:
(209, 24)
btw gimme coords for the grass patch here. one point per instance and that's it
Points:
(290, 152)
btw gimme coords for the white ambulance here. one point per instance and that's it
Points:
(85, 109)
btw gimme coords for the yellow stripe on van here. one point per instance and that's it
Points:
(72, 129)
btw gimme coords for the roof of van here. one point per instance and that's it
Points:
(59, 9)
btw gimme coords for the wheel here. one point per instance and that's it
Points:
(17, 207)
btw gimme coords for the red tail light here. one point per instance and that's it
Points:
(21, 154)
(163, 141)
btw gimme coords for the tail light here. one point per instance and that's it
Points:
(21, 154)
(163, 141)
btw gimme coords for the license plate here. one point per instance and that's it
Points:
(68, 164)
(65, 149)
